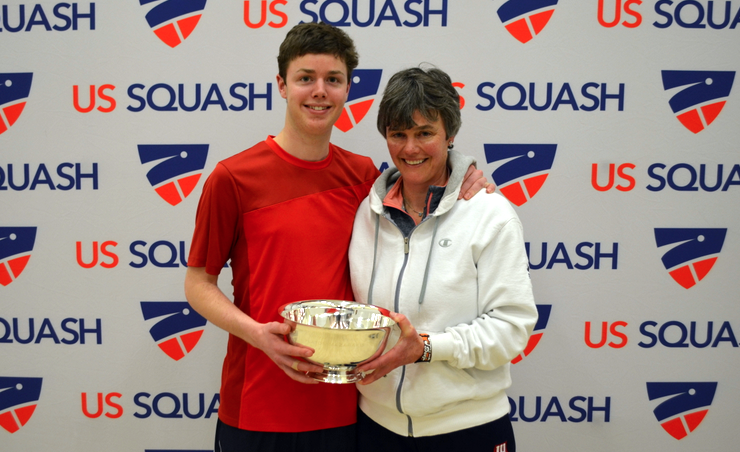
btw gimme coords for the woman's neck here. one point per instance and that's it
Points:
(414, 200)
(415, 195)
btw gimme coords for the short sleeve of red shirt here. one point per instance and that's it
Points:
(217, 222)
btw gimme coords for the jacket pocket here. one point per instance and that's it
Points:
(432, 387)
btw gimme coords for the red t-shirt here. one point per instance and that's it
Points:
(285, 225)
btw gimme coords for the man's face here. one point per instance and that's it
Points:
(316, 88)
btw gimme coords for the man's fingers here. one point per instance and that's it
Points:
(296, 350)
(303, 367)
(299, 371)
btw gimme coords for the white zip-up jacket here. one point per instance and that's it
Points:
(460, 276)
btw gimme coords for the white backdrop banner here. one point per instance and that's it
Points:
(611, 125)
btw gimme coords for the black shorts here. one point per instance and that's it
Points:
(232, 439)
(496, 436)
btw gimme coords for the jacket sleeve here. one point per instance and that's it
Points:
(505, 302)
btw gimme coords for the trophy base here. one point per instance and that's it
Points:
(338, 374)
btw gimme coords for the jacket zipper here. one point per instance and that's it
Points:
(397, 306)
(406, 240)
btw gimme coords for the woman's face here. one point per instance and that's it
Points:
(420, 153)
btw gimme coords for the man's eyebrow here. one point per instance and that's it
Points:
(313, 71)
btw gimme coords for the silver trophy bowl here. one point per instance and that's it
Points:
(342, 334)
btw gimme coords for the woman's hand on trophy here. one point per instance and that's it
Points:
(407, 350)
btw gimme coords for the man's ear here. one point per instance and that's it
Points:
(282, 87)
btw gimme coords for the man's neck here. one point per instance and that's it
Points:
(310, 149)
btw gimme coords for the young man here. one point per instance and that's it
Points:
(282, 213)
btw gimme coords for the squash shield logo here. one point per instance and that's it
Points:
(18, 397)
(701, 95)
(364, 87)
(178, 327)
(691, 254)
(14, 90)
(178, 169)
(521, 169)
(543, 313)
(16, 244)
(683, 406)
(174, 20)
(525, 19)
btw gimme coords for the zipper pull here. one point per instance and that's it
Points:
(406, 245)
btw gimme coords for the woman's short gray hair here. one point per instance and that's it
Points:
(428, 91)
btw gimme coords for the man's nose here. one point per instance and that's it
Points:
(319, 89)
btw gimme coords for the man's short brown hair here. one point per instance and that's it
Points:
(320, 39)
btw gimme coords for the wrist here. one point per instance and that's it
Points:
(426, 355)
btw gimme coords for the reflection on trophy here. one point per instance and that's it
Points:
(342, 334)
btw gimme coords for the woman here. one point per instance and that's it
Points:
(456, 272)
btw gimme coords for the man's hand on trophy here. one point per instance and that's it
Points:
(270, 338)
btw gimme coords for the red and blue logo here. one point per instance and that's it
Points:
(178, 327)
(174, 20)
(521, 169)
(683, 406)
(701, 95)
(178, 169)
(18, 397)
(362, 91)
(14, 90)
(16, 244)
(692, 252)
(543, 312)
(525, 19)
